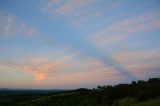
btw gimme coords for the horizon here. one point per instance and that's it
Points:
(60, 89)
(68, 44)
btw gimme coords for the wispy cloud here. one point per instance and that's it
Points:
(88, 70)
(6, 23)
(66, 7)
(11, 26)
(140, 63)
(76, 12)
(64, 62)
(42, 64)
(137, 55)
(82, 12)
(97, 76)
(71, 5)
(125, 28)
(144, 70)
(54, 1)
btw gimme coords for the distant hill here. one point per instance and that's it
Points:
(8, 90)
(137, 93)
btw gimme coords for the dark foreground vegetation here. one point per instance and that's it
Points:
(140, 93)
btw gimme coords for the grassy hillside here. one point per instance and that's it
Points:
(149, 103)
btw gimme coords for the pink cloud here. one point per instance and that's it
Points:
(140, 63)
(126, 28)
(55, 1)
(143, 70)
(137, 55)
(40, 76)
(96, 76)
(58, 64)
(40, 65)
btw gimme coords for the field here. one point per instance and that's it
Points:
(149, 103)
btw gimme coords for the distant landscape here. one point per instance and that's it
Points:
(138, 93)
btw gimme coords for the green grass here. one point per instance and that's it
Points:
(149, 103)
(127, 101)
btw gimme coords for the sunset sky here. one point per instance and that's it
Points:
(67, 44)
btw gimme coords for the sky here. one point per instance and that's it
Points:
(68, 44)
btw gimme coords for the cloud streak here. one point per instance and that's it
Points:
(141, 63)
(137, 55)
(71, 5)
(10, 26)
(76, 12)
(52, 65)
(41, 65)
(125, 28)
(66, 7)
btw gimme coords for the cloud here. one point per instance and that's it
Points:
(76, 12)
(96, 76)
(40, 76)
(82, 12)
(62, 62)
(65, 66)
(55, 1)
(71, 5)
(145, 70)
(11, 26)
(6, 23)
(40, 64)
(101, 61)
(87, 70)
(66, 7)
(49, 63)
(141, 63)
(125, 28)
(137, 55)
